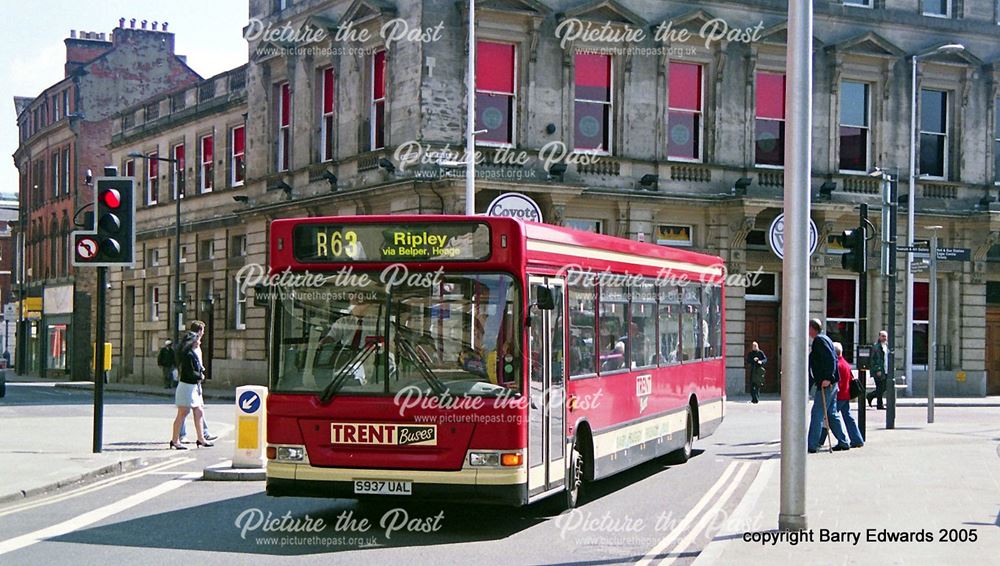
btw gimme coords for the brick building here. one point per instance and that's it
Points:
(8, 263)
(64, 132)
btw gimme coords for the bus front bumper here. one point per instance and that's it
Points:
(486, 485)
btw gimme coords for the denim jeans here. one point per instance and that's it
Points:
(817, 422)
(853, 432)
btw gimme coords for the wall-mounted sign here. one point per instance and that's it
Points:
(776, 236)
(515, 205)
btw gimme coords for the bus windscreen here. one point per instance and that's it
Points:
(409, 242)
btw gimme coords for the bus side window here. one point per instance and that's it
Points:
(582, 322)
(613, 307)
(669, 341)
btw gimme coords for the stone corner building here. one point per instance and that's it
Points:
(679, 141)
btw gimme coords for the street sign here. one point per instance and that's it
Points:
(86, 247)
(943, 254)
(249, 402)
(9, 312)
(954, 254)
(919, 266)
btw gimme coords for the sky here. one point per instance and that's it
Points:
(209, 32)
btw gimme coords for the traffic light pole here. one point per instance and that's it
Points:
(863, 311)
(892, 188)
(102, 288)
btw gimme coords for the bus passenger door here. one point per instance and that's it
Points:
(547, 389)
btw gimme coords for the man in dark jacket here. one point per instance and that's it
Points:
(168, 364)
(824, 378)
(879, 366)
(756, 361)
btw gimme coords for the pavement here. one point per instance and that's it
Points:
(935, 482)
(47, 434)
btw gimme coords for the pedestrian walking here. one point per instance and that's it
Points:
(824, 378)
(879, 368)
(198, 327)
(844, 399)
(756, 360)
(168, 364)
(188, 396)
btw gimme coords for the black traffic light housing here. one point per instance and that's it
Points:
(111, 242)
(856, 258)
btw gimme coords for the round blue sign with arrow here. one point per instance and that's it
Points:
(249, 402)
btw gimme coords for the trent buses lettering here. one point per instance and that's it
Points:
(383, 434)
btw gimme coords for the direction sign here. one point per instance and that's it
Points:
(943, 254)
(954, 254)
(9, 312)
(249, 402)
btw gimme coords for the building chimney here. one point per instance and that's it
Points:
(165, 26)
(155, 23)
(121, 22)
(132, 22)
(144, 22)
(72, 34)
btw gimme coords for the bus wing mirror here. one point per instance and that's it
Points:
(546, 299)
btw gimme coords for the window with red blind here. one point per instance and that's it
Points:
(206, 173)
(495, 92)
(684, 108)
(378, 101)
(177, 170)
(842, 313)
(769, 127)
(921, 316)
(152, 178)
(592, 107)
(326, 122)
(237, 157)
(283, 112)
(130, 168)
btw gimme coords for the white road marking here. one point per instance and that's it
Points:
(740, 520)
(708, 516)
(690, 517)
(90, 488)
(91, 517)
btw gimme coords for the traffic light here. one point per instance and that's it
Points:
(856, 258)
(112, 241)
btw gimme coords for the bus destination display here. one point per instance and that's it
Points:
(467, 241)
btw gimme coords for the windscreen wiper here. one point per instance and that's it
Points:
(410, 351)
(352, 365)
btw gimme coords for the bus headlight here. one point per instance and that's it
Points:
(495, 459)
(491, 459)
(291, 453)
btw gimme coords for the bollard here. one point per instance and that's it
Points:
(251, 426)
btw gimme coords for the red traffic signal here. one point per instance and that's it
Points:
(112, 198)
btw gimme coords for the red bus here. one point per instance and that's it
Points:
(482, 359)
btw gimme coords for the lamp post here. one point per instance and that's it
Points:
(911, 200)
(932, 324)
(179, 303)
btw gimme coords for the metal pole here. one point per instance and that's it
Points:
(932, 327)
(179, 303)
(795, 268)
(470, 117)
(102, 288)
(892, 186)
(910, 205)
(863, 314)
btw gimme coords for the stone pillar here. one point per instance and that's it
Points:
(954, 338)
(876, 317)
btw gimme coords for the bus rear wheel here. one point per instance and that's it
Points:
(574, 479)
(683, 454)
